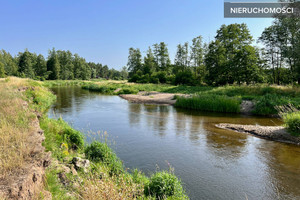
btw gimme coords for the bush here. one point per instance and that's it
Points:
(163, 185)
(266, 105)
(186, 78)
(213, 103)
(128, 91)
(74, 137)
(162, 76)
(98, 152)
(292, 122)
(134, 78)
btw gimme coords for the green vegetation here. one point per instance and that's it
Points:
(106, 178)
(163, 185)
(59, 65)
(292, 122)
(16, 121)
(214, 103)
(218, 99)
(231, 58)
(100, 152)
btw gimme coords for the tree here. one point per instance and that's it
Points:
(53, 65)
(9, 63)
(224, 57)
(182, 57)
(82, 70)
(161, 56)
(41, 67)
(26, 64)
(274, 39)
(124, 73)
(197, 52)
(2, 72)
(149, 62)
(65, 59)
(134, 61)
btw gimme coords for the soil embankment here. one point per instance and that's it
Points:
(25, 181)
(275, 133)
(28, 182)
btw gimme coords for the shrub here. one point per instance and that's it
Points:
(162, 76)
(185, 78)
(213, 103)
(98, 152)
(139, 178)
(128, 91)
(134, 78)
(292, 122)
(266, 105)
(163, 185)
(74, 137)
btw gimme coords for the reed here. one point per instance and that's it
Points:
(212, 103)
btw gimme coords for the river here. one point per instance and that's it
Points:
(212, 163)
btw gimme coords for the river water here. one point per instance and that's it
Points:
(212, 163)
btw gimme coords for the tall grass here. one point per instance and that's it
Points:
(292, 122)
(212, 103)
(17, 112)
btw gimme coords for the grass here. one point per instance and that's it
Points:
(292, 122)
(17, 112)
(266, 97)
(107, 178)
(21, 100)
(212, 103)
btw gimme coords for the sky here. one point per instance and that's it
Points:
(103, 30)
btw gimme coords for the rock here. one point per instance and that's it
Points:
(63, 178)
(65, 169)
(81, 164)
(74, 172)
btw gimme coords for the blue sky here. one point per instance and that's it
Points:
(103, 30)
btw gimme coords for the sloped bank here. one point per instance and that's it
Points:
(275, 133)
(23, 158)
(77, 171)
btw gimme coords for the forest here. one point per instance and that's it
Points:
(231, 58)
(59, 65)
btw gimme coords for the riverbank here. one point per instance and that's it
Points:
(256, 99)
(152, 98)
(76, 170)
(23, 160)
(275, 133)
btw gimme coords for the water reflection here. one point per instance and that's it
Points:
(213, 163)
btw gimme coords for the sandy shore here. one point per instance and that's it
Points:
(275, 133)
(151, 98)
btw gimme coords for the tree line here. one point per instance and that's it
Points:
(230, 58)
(59, 64)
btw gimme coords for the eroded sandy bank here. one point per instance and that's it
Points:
(275, 133)
(151, 98)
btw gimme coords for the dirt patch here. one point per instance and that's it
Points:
(28, 182)
(151, 98)
(275, 133)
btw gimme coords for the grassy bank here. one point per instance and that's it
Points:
(266, 98)
(17, 112)
(292, 123)
(104, 178)
(212, 103)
